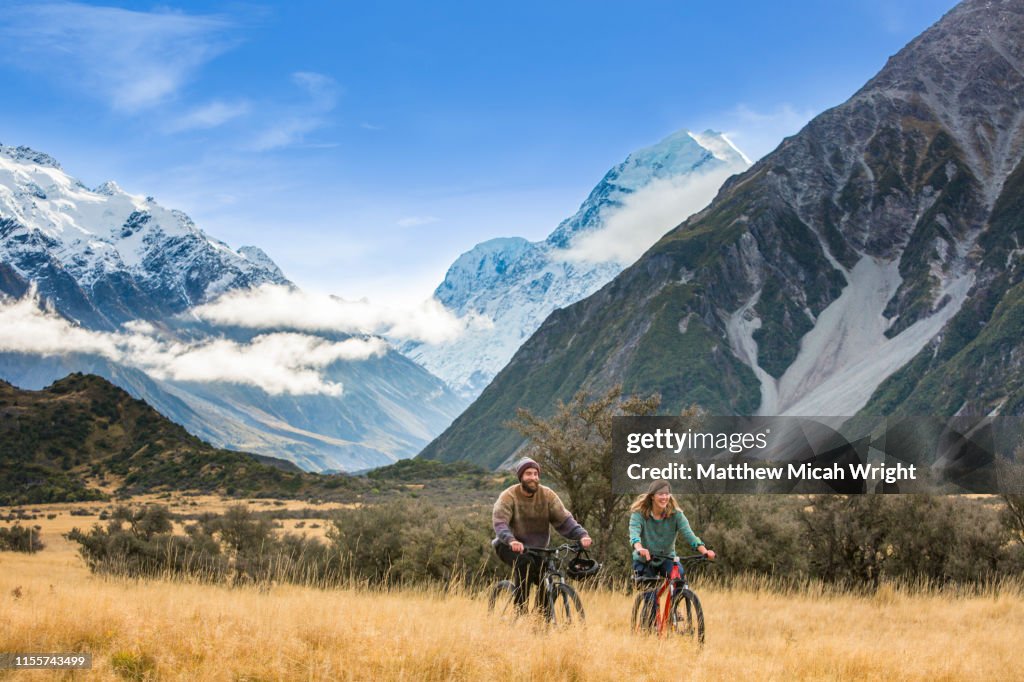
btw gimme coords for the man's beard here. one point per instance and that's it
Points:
(530, 486)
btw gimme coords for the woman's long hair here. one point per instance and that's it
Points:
(645, 505)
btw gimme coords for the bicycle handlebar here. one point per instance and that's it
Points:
(692, 557)
(553, 550)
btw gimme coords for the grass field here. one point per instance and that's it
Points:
(175, 631)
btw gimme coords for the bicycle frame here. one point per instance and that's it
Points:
(663, 615)
(553, 590)
(674, 582)
(552, 572)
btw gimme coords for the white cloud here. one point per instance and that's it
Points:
(134, 60)
(416, 221)
(271, 306)
(645, 216)
(24, 328)
(208, 116)
(278, 363)
(322, 90)
(294, 124)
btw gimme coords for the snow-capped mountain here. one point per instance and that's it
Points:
(871, 264)
(127, 272)
(510, 285)
(103, 257)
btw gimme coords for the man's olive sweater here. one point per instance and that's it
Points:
(528, 518)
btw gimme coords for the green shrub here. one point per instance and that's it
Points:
(409, 542)
(18, 538)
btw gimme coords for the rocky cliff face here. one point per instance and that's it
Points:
(857, 267)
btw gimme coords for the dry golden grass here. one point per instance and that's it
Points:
(180, 631)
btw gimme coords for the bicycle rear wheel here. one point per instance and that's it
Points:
(564, 605)
(644, 607)
(688, 616)
(502, 601)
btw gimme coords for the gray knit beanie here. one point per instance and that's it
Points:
(524, 464)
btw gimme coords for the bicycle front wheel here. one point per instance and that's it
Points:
(502, 601)
(564, 605)
(688, 616)
(643, 613)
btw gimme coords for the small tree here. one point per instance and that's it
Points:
(1011, 476)
(574, 448)
(1014, 515)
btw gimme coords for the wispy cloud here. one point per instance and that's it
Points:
(645, 216)
(759, 132)
(134, 60)
(278, 363)
(892, 17)
(416, 221)
(274, 307)
(211, 115)
(295, 123)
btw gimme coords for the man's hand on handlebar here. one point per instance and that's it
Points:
(585, 541)
(517, 546)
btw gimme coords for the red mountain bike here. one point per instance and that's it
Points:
(667, 605)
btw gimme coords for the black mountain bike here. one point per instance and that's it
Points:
(667, 605)
(556, 600)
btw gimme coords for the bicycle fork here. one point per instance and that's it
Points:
(668, 590)
(666, 611)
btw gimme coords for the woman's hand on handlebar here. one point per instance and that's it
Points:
(709, 554)
(643, 551)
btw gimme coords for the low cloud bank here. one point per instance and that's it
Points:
(278, 363)
(273, 306)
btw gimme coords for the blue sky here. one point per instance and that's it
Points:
(364, 146)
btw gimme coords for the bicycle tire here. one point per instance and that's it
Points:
(564, 605)
(501, 600)
(688, 616)
(642, 619)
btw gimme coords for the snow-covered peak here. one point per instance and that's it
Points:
(109, 188)
(29, 155)
(681, 153)
(484, 266)
(721, 147)
(260, 259)
(53, 220)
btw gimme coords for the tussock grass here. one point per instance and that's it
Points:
(756, 629)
